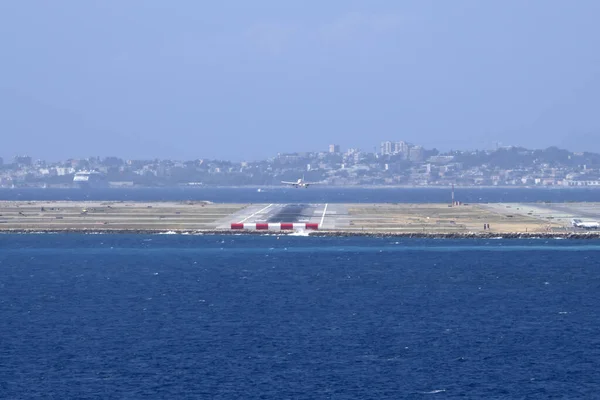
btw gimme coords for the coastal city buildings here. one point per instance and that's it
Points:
(396, 163)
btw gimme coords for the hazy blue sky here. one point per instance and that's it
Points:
(247, 79)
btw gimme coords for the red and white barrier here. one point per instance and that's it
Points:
(279, 226)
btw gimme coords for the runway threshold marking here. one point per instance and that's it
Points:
(258, 212)
(323, 216)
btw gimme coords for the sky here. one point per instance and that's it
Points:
(244, 80)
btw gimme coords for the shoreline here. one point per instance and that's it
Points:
(321, 186)
(439, 187)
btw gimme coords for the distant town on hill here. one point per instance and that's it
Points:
(395, 164)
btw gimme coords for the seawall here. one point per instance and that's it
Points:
(422, 235)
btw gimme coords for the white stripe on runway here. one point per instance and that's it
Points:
(258, 212)
(323, 217)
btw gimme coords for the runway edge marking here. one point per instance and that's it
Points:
(323, 216)
(258, 212)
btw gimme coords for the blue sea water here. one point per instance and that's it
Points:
(311, 195)
(267, 317)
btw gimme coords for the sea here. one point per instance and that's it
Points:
(172, 316)
(292, 317)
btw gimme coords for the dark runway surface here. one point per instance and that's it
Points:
(290, 213)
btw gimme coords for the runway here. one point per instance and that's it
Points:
(327, 216)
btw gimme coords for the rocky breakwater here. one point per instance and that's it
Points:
(423, 235)
(463, 235)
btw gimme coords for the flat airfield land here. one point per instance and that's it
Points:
(190, 216)
(112, 215)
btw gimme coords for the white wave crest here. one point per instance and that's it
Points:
(299, 233)
(435, 391)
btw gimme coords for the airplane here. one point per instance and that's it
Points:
(299, 183)
(577, 223)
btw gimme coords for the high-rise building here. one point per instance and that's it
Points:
(386, 148)
(393, 148)
(1, 161)
(334, 148)
(402, 148)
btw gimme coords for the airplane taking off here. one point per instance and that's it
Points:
(577, 223)
(299, 183)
